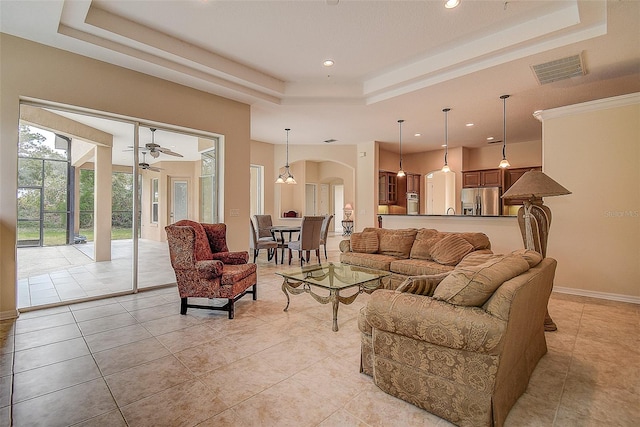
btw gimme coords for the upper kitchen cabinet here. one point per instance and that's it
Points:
(482, 178)
(387, 188)
(413, 183)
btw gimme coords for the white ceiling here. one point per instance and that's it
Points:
(393, 59)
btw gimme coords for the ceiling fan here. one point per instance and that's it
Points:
(146, 166)
(155, 149)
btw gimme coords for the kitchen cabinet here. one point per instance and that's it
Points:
(413, 183)
(482, 178)
(387, 188)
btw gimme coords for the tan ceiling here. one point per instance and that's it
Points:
(393, 59)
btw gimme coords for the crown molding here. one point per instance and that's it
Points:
(585, 107)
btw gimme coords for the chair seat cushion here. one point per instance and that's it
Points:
(235, 273)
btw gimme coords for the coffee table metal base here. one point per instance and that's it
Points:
(293, 288)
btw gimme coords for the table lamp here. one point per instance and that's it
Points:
(534, 218)
(348, 210)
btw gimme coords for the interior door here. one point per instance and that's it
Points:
(179, 200)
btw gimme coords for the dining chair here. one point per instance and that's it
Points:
(309, 239)
(257, 243)
(324, 231)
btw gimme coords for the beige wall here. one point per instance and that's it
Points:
(32, 71)
(593, 150)
(521, 154)
(262, 155)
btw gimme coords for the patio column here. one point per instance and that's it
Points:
(102, 204)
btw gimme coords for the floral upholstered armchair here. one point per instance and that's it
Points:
(205, 268)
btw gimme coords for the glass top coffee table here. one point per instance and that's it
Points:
(333, 277)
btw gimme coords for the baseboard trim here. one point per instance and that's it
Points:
(11, 314)
(596, 294)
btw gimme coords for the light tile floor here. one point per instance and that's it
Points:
(133, 360)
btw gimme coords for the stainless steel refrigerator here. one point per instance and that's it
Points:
(481, 201)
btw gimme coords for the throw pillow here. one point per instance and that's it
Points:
(425, 239)
(473, 286)
(421, 285)
(477, 258)
(532, 257)
(365, 242)
(397, 242)
(450, 250)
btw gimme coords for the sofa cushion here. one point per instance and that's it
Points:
(478, 240)
(473, 286)
(450, 249)
(421, 285)
(418, 267)
(422, 245)
(532, 257)
(365, 242)
(478, 257)
(374, 261)
(396, 242)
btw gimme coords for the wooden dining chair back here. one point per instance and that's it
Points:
(309, 238)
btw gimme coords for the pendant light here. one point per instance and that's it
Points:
(504, 163)
(286, 177)
(446, 168)
(401, 171)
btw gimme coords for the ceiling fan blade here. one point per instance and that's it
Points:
(169, 152)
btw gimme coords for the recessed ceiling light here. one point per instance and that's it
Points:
(469, 125)
(450, 4)
(417, 134)
(328, 62)
(490, 138)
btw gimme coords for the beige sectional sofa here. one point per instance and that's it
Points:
(461, 345)
(410, 252)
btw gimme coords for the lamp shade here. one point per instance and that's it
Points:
(534, 184)
(348, 207)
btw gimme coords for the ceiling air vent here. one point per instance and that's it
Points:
(329, 141)
(559, 69)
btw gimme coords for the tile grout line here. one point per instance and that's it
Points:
(566, 375)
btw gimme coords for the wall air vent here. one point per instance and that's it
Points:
(560, 69)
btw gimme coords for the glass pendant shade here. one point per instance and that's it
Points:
(286, 177)
(504, 163)
(446, 167)
(401, 171)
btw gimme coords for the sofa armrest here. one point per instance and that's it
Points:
(345, 245)
(437, 322)
(241, 257)
(209, 269)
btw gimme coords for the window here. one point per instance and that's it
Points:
(154, 200)
(208, 186)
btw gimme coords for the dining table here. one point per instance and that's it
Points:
(283, 230)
